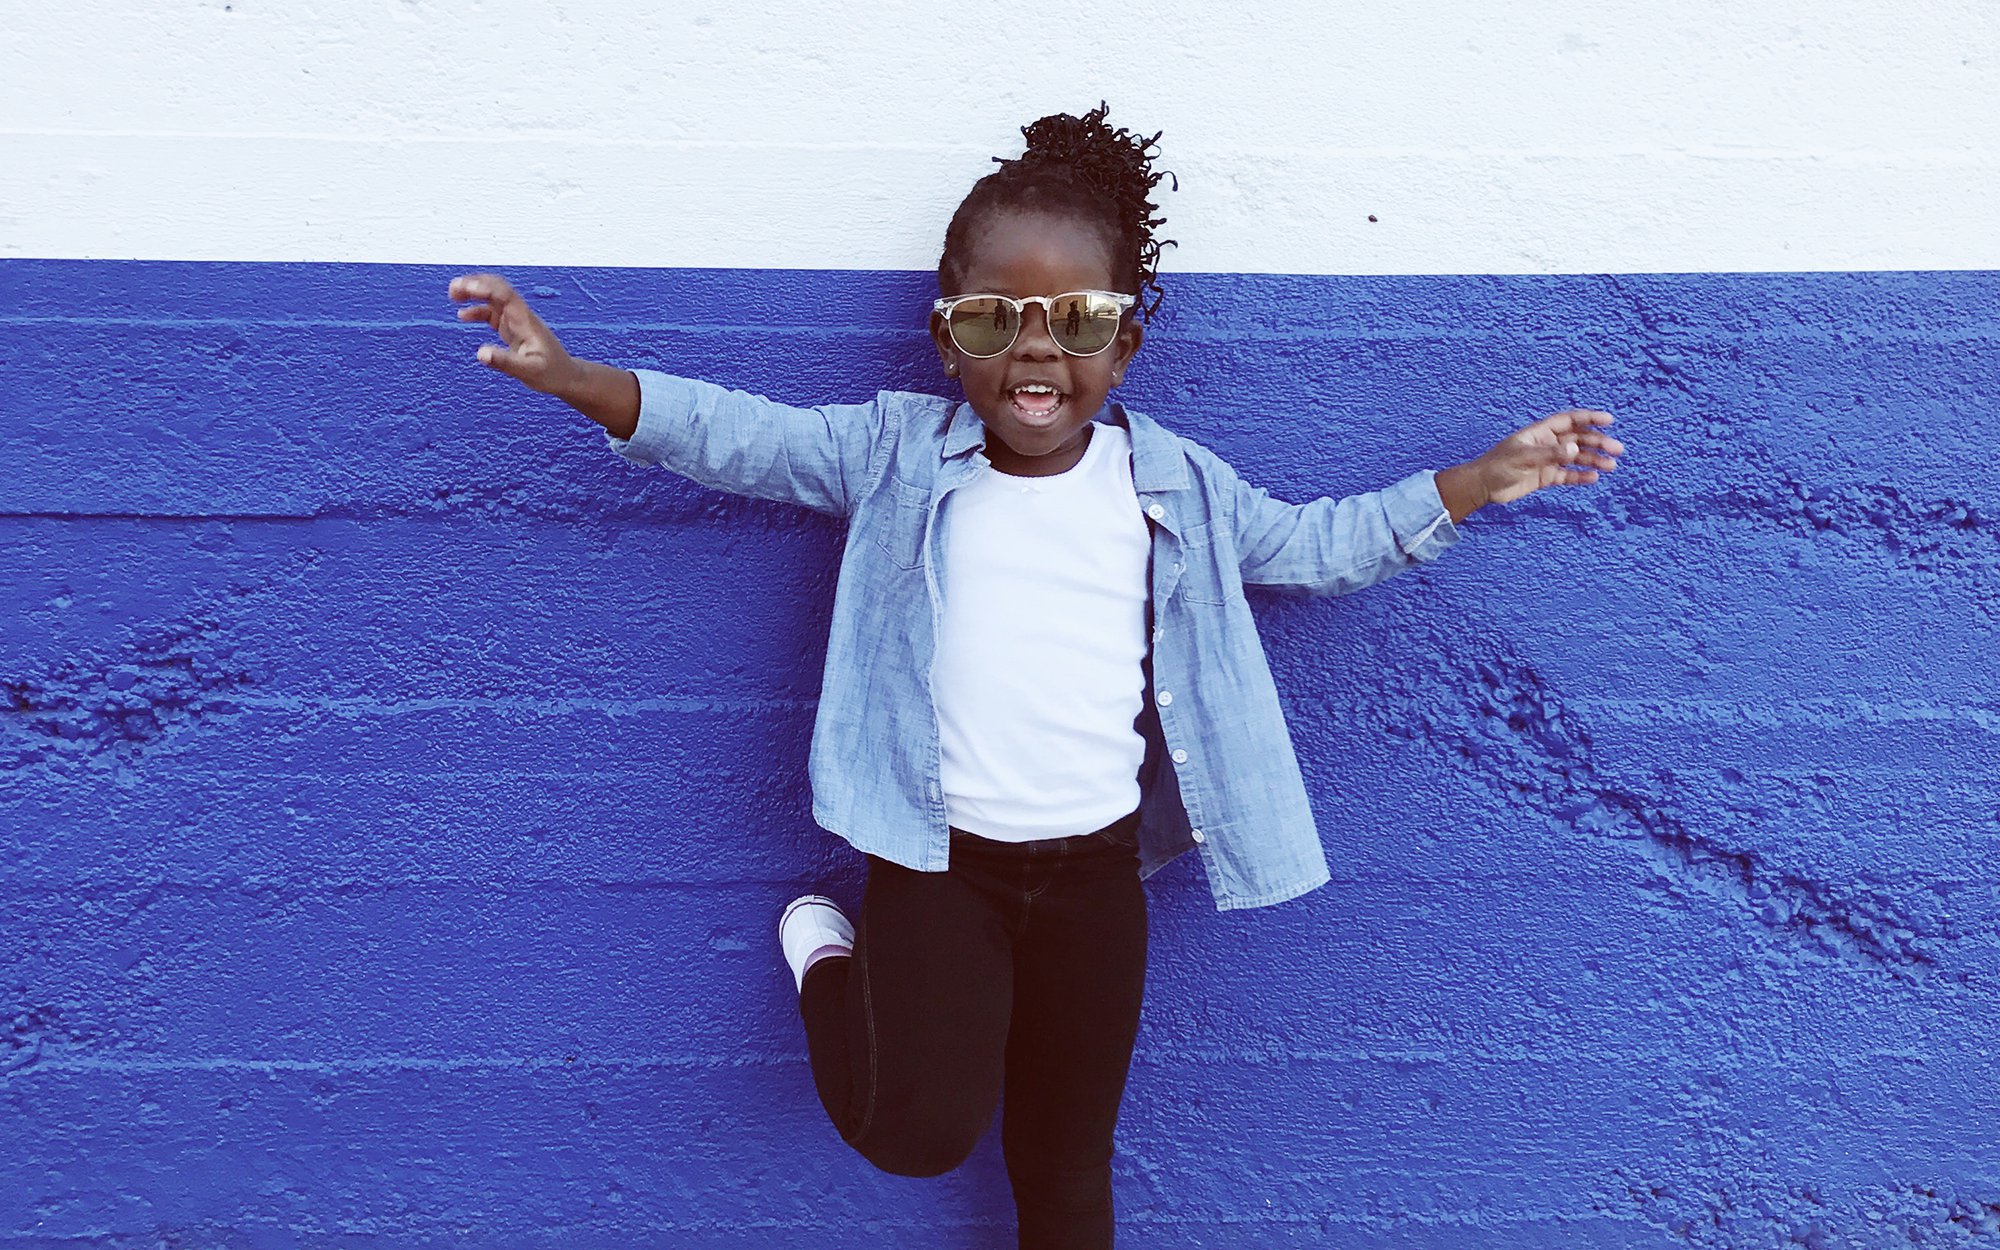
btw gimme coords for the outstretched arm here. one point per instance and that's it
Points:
(726, 439)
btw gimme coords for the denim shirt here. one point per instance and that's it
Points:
(1219, 777)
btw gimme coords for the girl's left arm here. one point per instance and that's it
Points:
(1337, 546)
(1334, 546)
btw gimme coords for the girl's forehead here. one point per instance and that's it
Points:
(1039, 253)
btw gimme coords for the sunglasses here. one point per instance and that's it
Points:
(1083, 323)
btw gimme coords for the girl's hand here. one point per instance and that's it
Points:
(1546, 453)
(532, 354)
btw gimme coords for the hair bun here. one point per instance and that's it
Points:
(1114, 159)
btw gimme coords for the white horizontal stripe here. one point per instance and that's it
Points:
(1535, 138)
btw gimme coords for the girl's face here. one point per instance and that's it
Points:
(1022, 254)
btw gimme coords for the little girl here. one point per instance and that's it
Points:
(1043, 681)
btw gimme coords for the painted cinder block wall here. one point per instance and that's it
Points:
(397, 788)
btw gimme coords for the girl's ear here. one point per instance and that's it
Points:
(1129, 339)
(946, 349)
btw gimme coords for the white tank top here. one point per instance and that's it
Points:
(1038, 678)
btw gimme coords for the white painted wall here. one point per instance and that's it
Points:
(1528, 137)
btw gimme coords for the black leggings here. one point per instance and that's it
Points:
(1025, 958)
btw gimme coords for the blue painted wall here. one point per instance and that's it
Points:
(397, 789)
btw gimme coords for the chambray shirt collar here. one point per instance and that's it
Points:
(1157, 460)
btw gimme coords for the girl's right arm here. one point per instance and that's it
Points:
(725, 439)
(534, 357)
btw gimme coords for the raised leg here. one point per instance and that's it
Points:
(908, 1036)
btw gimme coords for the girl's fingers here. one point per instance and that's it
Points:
(515, 323)
(526, 346)
(1578, 477)
(480, 285)
(500, 359)
(501, 300)
(1605, 441)
(1568, 453)
(1577, 420)
(1565, 453)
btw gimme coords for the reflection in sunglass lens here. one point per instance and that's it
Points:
(983, 327)
(1084, 324)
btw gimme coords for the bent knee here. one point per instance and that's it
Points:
(919, 1151)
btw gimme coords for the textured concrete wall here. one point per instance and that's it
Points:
(397, 788)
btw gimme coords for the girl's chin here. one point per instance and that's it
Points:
(1038, 440)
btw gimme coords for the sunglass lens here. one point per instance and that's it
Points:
(1084, 324)
(983, 327)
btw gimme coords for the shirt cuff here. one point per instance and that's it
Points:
(665, 404)
(1417, 514)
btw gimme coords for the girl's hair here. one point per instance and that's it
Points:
(1080, 167)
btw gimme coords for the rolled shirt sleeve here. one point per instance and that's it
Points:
(1338, 546)
(745, 444)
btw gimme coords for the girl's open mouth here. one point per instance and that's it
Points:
(1037, 404)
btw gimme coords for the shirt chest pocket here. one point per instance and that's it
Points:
(901, 511)
(1201, 578)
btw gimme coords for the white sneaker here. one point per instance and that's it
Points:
(808, 923)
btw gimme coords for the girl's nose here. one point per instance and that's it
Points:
(1034, 340)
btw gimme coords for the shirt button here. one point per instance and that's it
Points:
(1156, 512)
(1179, 567)
(1166, 698)
(1196, 834)
(1180, 757)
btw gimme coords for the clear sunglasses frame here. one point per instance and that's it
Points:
(1048, 303)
